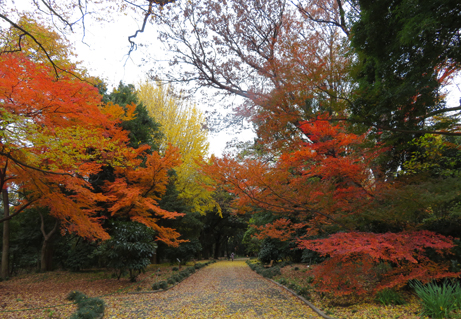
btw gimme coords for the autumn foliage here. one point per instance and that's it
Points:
(56, 134)
(325, 180)
(329, 183)
(364, 262)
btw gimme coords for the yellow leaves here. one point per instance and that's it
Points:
(225, 289)
(117, 112)
(183, 127)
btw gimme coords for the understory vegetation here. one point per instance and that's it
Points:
(353, 169)
(416, 300)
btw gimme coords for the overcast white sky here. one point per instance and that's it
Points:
(104, 49)
(104, 52)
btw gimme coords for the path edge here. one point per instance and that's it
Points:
(314, 308)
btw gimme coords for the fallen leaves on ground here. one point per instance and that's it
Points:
(349, 307)
(222, 290)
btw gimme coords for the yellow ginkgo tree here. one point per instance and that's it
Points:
(183, 126)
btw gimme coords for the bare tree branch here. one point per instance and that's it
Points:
(20, 163)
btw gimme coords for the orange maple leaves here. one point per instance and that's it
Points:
(324, 180)
(331, 180)
(56, 134)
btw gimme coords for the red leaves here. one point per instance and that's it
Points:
(353, 266)
(323, 181)
(282, 229)
(55, 134)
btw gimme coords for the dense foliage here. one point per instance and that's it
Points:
(355, 165)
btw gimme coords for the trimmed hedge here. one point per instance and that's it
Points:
(180, 276)
(87, 308)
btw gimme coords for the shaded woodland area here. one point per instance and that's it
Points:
(354, 168)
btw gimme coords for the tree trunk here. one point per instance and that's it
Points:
(45, 258)
(217, 247)
(6, 236)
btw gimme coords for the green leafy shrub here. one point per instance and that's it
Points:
(163, 284)
(390, 297)
(175, 269)
(185, 252)
(130, 248)
(282, 281)
(438, 301)
(311, 257)
(160, 285)
(80, 253)
(171, 281)
(272, 249)
(87, 308)
(303, 291)
(270, 272)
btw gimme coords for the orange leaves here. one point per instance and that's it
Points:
(136, 191)
(324, 181)
(117, 112)
(55, 135)
(282, 229)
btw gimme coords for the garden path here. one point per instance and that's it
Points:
(222, 290)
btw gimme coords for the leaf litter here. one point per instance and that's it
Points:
(222, 290)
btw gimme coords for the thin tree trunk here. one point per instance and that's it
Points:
(45, 263)
(6, 235)
(217, 246)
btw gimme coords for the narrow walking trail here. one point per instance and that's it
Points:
(222, 290)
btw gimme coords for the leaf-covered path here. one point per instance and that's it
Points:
(222, 290)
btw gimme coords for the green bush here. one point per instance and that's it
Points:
(163, 284)
(270, 272)
(438, 301)
(160, 285)
(390, 297)
(272, 249)
(175, 269)
(303, 291)
(129, 249)
(185, 252)
(171, 281)
(282, 281)
(87, 308)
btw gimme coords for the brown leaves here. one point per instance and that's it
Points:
(223, 290)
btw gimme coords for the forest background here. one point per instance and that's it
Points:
(354, 165)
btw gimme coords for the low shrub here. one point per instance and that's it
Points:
(282, 281)
(270, 272)
(438, 301)
(171, 281)
(390, 297)
(303, 291)
(87, 308)
(162, 284)
(175, 269)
